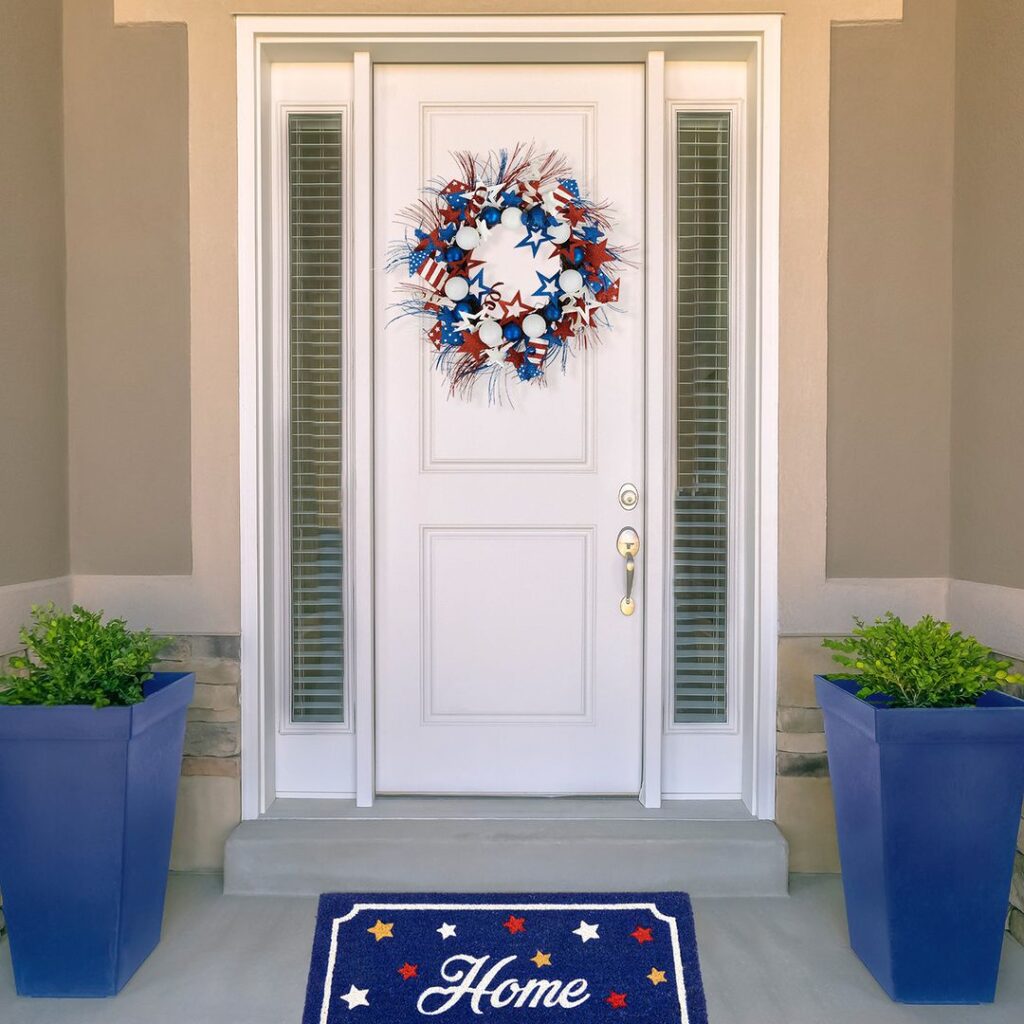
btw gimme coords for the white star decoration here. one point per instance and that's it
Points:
(586, 931)
(356, 997)
(446, 931)
(496, 354)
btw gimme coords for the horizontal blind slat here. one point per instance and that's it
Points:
(315, 396)
(700, 511)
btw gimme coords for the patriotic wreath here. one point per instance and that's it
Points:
(477, 330)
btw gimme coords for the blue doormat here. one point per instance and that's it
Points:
(572, 957)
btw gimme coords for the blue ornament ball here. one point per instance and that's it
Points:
(578, 255)
(536, 217)
(552, 311)
(512, 332)
(464, 306)
(490, 215)
(454, 254)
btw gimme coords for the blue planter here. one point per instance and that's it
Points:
(928, 804)
(86, 815)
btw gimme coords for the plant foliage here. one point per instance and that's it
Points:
(926, 665)
(77, 658)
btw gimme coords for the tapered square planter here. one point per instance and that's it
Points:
(87, 801)
(928, 804)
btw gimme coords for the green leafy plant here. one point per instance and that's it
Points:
(78, 658)
(926, 665)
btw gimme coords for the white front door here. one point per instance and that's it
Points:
(503, 662)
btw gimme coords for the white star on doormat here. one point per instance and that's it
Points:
(446, 931)
(356, 997)
(586, 931)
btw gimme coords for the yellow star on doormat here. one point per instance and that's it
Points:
(656, 977)
(542, 959)
(381, 930)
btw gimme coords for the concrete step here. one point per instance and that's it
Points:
(407, 845)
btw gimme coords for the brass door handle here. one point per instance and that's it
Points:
(628, 545)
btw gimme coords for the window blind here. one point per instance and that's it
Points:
(700, 535)
(315, 396)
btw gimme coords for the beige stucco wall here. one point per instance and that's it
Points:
(988, 352)
(213, 352)
(126, 152)
(33, 430)
(891, 294)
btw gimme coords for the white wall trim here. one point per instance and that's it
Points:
(16, 601)
(656, 671)
(761, 798)
(995, 615)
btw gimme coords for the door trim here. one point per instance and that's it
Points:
(360, 40)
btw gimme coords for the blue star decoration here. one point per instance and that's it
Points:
(549, 288)
(533, 244)
(615, 957)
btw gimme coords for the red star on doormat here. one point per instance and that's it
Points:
(515, 924)
(617, 1000)
(408, 970)
(642, 935)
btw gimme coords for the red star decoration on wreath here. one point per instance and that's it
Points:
(616, 1000)
(408, 970)
(515, 925)
(598, 254)
(515, 358)
(514, 308)
(642, 935)
(574, 214)
(472, 345)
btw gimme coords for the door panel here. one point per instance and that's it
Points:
(503, 663)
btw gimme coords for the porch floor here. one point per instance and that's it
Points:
(225, 959)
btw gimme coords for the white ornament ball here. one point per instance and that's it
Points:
(456, 288)
(559, 234)
(571, 282)
(534, 325)
(467, 237)
(511, 217)
(490, 332)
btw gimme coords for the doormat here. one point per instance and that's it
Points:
(578, 957)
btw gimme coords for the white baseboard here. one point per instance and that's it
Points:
(167, 604)
(16, 601)
(995, 615)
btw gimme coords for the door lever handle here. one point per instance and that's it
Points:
(628, 545)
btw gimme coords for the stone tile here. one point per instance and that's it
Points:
(208, 809)
(178, 650)
(1015, 924)
(800, 658)
(801, 720)
(215, 645)
(215, 697)
(212, 739)
(228, 767)
(801, 742)
(216, 671)
(1017, 885)
(802, 765)
(805, 816)
(212, 715)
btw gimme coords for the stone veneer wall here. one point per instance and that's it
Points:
(804, 810)
(209, 795)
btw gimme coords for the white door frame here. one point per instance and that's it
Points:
(362, 39)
